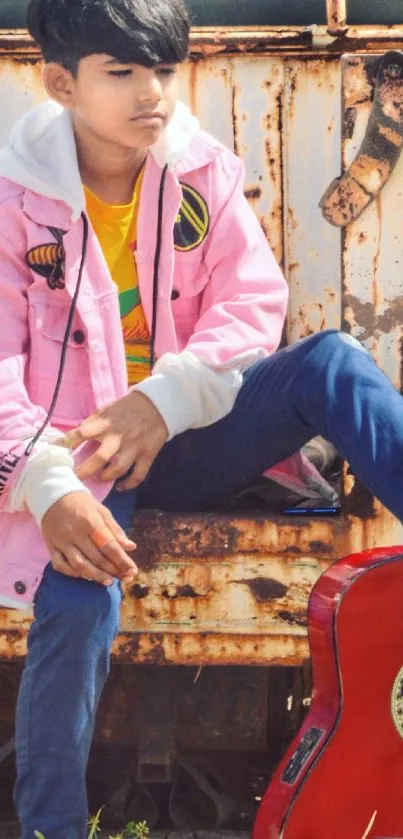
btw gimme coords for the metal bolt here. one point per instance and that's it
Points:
(394, 71)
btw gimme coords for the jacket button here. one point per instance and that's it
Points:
(20, 587)
(175, 294)
(79, 336)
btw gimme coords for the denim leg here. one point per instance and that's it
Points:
(327, 384)
(65, 671)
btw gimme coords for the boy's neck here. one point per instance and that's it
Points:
(108, 171)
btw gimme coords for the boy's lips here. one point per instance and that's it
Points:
(148, 116)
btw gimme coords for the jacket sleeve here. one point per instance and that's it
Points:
(38, 481)
(241, 317)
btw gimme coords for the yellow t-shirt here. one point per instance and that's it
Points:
(116, 228)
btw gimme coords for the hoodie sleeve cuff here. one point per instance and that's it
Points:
(43, 491)
(189, 394)
(48, 476)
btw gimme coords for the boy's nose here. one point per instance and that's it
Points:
(150, 91)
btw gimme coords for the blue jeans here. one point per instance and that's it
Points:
(327, 385)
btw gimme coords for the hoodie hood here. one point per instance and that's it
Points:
(41, 153)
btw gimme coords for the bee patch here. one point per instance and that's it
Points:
(49, 260)
(193, 221)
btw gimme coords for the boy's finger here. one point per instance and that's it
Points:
(120, 559)
(138, 475)
(121, 465)
(118, 531)
(92, 428)
(61, 565)
(85, 569)
(97, 557)
(97, 462)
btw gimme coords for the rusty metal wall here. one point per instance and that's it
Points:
(230, 590)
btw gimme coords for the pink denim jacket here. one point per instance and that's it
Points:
(221, 303)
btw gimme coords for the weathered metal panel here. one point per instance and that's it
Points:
(311, 140)
(214, 589)
(207, 87)
(20, 90)
(222, 590)
(373, 244)
(258, 96)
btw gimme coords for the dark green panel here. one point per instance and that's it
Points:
(253, 12)
(288, 12)
(256, 12)
(12, 13)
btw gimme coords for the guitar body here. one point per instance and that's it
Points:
(342, 778)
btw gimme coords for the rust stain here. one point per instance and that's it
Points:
(359, 501)
(372, 324)
(172, 535)
(253, 193)
(376, 263)
(318, 547)
(12, 643)
(349, 121)
(264, 589)
(156, 655)
(292, 219)
(390, 135)
(370, 172)
(293, 618)
(344, 201)
(311, 317)
(271, 163)
(358, 84)
(139, 592)
(391, 99)
(235, 93)
(211, 649)
(193, 84)
(182, 591)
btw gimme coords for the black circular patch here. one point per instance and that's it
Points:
(193, 221)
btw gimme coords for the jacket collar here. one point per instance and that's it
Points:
(41, 157)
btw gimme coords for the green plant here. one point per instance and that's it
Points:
(139, 830)
(136, 830)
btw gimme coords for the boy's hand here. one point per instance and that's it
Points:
(131, 433)
(67, 528)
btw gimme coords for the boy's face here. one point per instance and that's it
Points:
(127, 105)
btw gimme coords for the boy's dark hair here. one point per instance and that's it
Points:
(145, 32)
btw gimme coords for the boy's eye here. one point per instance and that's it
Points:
(120, 73)
(166, 71)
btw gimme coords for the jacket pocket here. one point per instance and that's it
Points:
(190, 275)
(47, 335)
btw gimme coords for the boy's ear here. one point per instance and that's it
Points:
(59, 84)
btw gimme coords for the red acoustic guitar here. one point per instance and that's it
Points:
(342, 778)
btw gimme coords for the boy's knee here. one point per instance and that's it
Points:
(333, 341)
(84, 606)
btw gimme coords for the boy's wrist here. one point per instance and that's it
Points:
(47, 476)
(47, 485)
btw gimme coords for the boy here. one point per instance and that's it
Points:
(125, 239)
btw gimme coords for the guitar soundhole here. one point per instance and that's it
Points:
(302, 754)
(397, 702)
